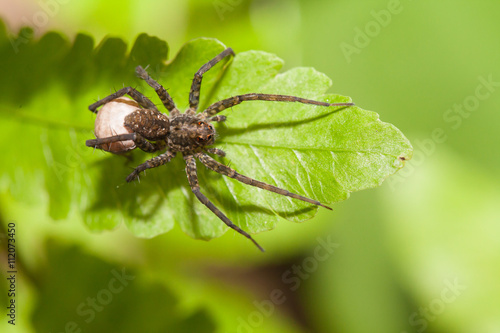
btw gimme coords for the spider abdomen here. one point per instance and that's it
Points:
(149, 123)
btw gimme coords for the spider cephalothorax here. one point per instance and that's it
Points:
(189, 132)
(142, 126)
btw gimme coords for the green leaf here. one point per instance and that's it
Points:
(109, 298)
(322, 153)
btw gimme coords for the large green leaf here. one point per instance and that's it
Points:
(323, 153)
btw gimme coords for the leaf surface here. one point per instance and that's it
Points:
(320, 152)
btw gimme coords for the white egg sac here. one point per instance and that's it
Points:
(110, 121)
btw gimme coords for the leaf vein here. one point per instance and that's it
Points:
(369, 151)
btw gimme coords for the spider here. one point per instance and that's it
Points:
(189, 133)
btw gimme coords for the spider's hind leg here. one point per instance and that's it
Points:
(151, 163)
(137, 96)
(96, 143)
(139, 141)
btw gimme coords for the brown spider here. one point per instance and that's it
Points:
(188, 133)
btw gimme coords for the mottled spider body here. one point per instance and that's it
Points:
(151, 124)
(189, 133)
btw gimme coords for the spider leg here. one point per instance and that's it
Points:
(140, 142)
(235, 100)
(96, 143)
(217, 118)
(114, 133)
(165, 97)
(195, 188)
(194, 94)
(227, 171)
(147, 146)
(216, 151)
(137, 96)
(152, 163)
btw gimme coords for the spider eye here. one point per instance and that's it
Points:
(209, 136)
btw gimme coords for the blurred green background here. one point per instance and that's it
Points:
(421, 253)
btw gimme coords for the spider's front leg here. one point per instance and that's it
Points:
(195, 188)
(235, 100)
(217, 151)
(218, 118)
(152, 163)
(227, 171)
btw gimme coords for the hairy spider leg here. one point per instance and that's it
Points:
(235, 100)
(152, 163)
(212, 164)
(217, 118)
(145, 145)
(216, 151)
(96, 143)
(165, 97)
(139, 141)
(194, 94)
(114, 134)
(195, 188)
(137, 96)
